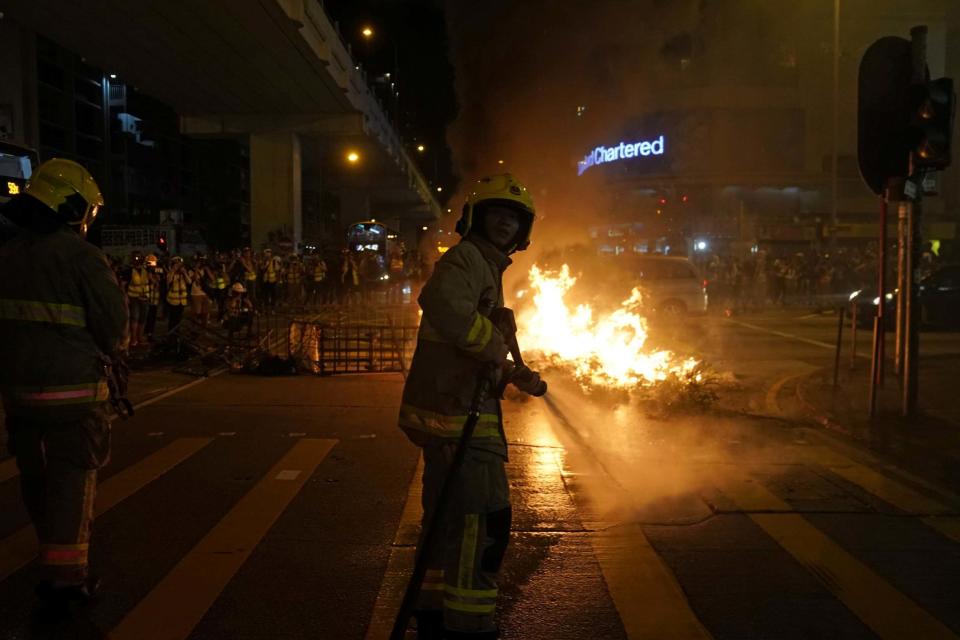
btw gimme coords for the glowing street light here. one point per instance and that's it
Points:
(353, 157)
(439, 189)
(423, 228)
(421, 148)
(499, 161)
(367, 32)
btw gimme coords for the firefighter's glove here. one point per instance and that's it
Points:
(527, 380)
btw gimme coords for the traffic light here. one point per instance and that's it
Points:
(932, 125)
(162, 241)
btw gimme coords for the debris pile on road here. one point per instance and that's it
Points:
(606, 352)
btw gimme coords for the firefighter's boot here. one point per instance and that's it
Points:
(429, 624)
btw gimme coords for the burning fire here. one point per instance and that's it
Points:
(605, 351)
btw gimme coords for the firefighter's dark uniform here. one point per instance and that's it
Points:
(61, 308)
(456, 341)
(457, 344)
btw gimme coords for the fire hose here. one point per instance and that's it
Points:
(504, 320)
(118, 375)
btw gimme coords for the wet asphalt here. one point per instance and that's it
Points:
(628, 523)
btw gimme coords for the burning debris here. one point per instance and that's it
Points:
(605, 351)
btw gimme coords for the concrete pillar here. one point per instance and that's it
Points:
(276, 191)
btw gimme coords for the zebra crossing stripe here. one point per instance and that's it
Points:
(400, 564)
(887, 611)
(938, 514)
(181, 599)
(20, 547)
(647, 595)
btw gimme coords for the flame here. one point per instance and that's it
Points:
(605, 351)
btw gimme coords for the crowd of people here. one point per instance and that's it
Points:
(229, 288)
(813, 278)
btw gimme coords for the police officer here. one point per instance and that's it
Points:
(457, 342)
(61, 313)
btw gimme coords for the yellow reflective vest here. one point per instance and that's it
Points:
(455, 342)
(271, 270)
(320, 271)
(153, 290)
(137, 287)
(178, 286)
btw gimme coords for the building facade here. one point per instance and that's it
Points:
(741, 128)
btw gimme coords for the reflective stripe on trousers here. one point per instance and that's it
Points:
(462, 569)
(90, 392)
(58, 479)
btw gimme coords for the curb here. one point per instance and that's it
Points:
(815, 413)
(943, 482)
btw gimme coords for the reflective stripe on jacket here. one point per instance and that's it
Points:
(61, 308)
(455, 342)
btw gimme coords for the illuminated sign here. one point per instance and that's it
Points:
(623, 151)
(13, 188)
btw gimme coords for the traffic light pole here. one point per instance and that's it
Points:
(879, 325)
(911, 353)
(902, 213)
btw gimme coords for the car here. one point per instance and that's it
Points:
(939, 301)
(940, 298)
(864, 303)
(672, 285)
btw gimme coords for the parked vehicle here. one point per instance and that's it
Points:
(673, 286)
(940, 298)
(939, 301)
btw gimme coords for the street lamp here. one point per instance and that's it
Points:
(367, 32)
(421, 148)
(439, 189)
(353, 157)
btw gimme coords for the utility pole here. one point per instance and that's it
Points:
(834, 158)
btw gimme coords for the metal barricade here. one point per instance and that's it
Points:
(334, 348)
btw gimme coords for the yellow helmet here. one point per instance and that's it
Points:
(69, 190)
(502, 189)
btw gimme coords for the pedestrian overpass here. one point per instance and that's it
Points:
(275, 72)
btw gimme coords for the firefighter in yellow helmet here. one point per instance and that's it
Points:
(62, 317)
(457, 342)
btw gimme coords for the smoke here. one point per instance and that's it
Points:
(539, 83)
(635, 468)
